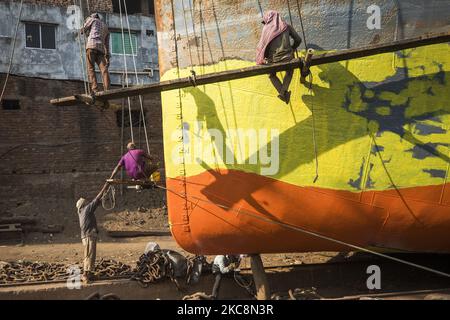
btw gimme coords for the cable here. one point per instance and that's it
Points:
(311, 233)
(83, 67)
(112, 198)
(126, 68)
(290, 18)
(192, 77)
(301, 24)
(187, 36)
(316, 156)
(12, 51)
(137, 78)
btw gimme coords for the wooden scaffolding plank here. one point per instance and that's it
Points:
(324, 58)
(130, 182)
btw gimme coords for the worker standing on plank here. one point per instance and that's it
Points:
(97, 50)
(135, 164)
(89, 232)
(275, 46)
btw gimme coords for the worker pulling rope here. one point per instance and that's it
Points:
(12, 52)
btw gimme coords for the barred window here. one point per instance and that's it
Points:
(117, 43)
(38, 35)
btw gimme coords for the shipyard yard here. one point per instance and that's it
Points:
(224, 150)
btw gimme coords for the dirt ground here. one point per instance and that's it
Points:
(146, 211)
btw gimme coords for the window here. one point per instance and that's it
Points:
(135, 117)
(10, 104)
(133, 6)
(41, 36)
(117, 44)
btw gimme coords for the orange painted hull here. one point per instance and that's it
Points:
(214, 220)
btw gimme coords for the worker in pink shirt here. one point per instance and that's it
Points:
(135, 164)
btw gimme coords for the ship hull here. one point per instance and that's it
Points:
(361, 158)
(266, 215)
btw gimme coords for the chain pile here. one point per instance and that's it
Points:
(153, 267)
(26, 271)
(158, 265)
(112, 269)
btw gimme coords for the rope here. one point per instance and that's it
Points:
(187, 35)
(316, 156)
(392, 181)
(310, 91)
(137, 78)
(12, 51)
(311, 233)
(191, 12)
(260, 8)
(126, 68)
(242, 284)
(299, 8)
(112, 198)
(192, 77)
(290, 18)
(83, 67)
(122, 133)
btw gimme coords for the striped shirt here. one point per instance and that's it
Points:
(98, 38)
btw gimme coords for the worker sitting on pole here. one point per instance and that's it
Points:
(89, 232)
(97, 50)
(135, 164)
(275, 46)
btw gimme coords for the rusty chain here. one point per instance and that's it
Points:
(26, 271)
(151, 267)
(156, 265)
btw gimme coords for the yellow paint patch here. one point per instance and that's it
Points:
(239, 124)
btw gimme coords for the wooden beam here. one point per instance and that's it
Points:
(259, 277)
(130, 182)
(324, 58)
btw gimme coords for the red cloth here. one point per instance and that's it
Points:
(273, 27)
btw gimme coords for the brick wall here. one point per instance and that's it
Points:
(61, 152)
(94, 5)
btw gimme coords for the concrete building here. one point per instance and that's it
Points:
(58, 154)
